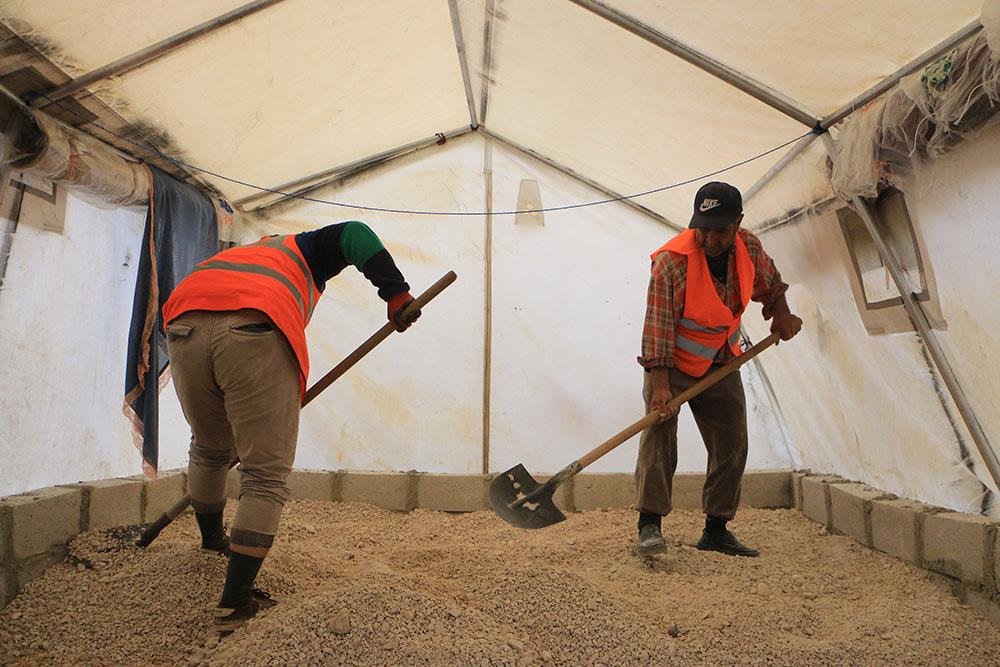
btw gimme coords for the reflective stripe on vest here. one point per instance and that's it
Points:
(688, 345)
(219, 265)
(278, 242)
(694, 326)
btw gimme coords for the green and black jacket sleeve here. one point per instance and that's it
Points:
(329, 250)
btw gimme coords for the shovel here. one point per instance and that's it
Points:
(150, 532)
(521, 501)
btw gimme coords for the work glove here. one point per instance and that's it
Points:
(395, 308)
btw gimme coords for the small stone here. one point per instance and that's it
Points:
(339, 624)
(674, 631)
(81, 567)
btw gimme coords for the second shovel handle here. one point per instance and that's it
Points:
(676, 401)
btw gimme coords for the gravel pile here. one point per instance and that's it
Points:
(363, 586)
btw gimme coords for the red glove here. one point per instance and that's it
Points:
(395, 308)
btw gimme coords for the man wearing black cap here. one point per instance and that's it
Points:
(700, 284)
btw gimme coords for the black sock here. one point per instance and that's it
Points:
(649, 519)
(714, 524)
(211, 528)
(240, 575)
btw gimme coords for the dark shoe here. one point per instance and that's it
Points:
(227, 619)
(650, 541)
(725, 542)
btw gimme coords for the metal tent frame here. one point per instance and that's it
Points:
(477, 121)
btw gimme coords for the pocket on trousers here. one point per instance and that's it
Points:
(178, 330)
(253, 328)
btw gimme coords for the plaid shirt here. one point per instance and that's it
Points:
(665, 300)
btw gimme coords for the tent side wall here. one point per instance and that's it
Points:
(564, 376)
(875, 410)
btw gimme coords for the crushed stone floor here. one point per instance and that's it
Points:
(364, 586)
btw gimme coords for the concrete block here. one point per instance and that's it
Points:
(686, 492)
(957, 545)
(6, 535)
(797, 478)
(850, 505)
(452, 493)
(814, 497)
(390, 490)
(31, 568)
(7, 591)
(162, 492)
(42, 519)
(311, 484)
(767, 488)
(593, 491)
(895, 524)
(112, 502)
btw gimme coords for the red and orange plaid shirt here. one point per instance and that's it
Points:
(665, 300)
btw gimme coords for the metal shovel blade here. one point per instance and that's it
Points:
(508, 487)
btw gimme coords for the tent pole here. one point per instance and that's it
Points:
(487, 59)
(755, 89)
(582, 179)
(796, 150)
(919, 62)
(924, 331)
(488, 301)
(150, 53)
(456, 26)
(353, 168)
(864, 98)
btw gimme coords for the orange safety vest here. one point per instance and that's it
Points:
(707, 323)
(270, 275)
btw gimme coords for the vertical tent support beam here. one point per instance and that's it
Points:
(923, 327)
(487, 59)
(456, 26)
(755, 89)
(488, 300)
(582, 179)
(150, 53)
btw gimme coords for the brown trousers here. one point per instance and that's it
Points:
(721, 415)
(240, 393)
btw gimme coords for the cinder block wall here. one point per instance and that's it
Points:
(35, 527)
(962, 550)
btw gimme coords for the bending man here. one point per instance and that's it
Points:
(237, 345)
(700, 284)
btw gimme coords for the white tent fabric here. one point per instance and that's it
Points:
(304, 86)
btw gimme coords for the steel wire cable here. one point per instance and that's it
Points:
(362, 207)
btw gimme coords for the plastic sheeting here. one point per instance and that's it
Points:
(929, 112)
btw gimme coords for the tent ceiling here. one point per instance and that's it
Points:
(820, 54)
(306, 85)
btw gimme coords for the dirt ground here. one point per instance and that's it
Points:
(363, 586)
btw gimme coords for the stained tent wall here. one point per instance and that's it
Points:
(567, 307)
(608, 101)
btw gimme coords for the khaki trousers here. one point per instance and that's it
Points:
(239, 390)
(721, 416)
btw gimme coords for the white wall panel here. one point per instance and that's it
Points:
(568, 307)
(64, 319)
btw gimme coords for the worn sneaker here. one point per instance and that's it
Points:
(227, 619)
(725, 542)
(650, 540)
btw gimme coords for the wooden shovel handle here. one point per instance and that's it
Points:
(153, 530)
(376, 338)
(676, 401)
